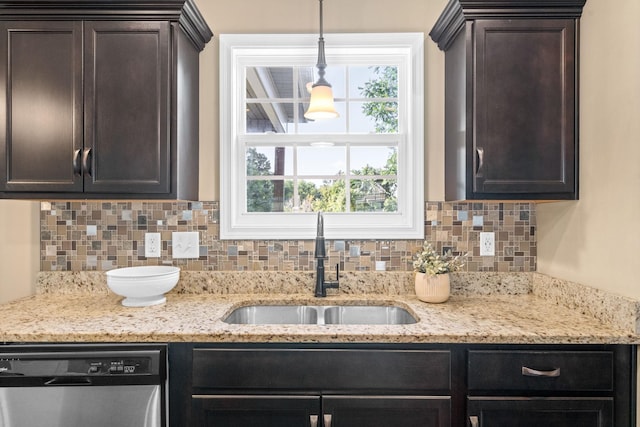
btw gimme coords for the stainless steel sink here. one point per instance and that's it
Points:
(320, 315)
(367, 315)
(274, 314)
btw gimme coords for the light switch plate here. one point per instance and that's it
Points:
(152, 245)
(185, 244)
(487, 243)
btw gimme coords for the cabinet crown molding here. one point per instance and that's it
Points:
(457, 12)
(185, 12)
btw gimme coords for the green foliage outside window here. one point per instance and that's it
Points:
(366, 194)
(385, 114)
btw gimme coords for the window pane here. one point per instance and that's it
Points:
(329, 161)
(373, 161)
(374, 81)
(269, 82)
(263, 161)
(269, 117)
(374, 195)
(373, 117)
(302, 197)
(337, 125)
(331, 197)
(260, 196)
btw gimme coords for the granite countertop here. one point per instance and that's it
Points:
(522, 311)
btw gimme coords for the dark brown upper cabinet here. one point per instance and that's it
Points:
(101, 102)
(511, 98)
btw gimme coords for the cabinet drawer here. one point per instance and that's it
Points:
(541, 370)
(322, 369)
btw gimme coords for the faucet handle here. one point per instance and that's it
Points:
(334, 284)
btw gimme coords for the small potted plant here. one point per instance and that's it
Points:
(432, 274)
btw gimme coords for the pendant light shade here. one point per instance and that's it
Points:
(321, 102)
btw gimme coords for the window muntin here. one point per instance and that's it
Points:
(282, 167)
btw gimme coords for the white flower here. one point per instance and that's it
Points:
(428, 261)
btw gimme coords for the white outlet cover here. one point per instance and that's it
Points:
(152, 245)
(487, 243)
(186, 244)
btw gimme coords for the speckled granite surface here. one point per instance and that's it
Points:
(608, 308)
(484, 308)
(479, 319)
(293, 282)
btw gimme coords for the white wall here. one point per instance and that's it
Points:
(595, 241)
(19, 248)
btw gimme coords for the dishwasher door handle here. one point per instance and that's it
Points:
(68, 381)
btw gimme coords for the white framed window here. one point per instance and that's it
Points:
(364, 170)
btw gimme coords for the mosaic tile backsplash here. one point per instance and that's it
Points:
(99, 235)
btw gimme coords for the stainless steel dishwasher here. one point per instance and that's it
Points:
(82, 385)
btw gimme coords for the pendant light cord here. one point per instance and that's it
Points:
(321, 20)
(322, 62)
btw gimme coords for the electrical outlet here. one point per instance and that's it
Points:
(487, 243)
(186, 244)
(152, 245)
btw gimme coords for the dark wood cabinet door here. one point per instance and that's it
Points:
(255, 411)
(536, 412)
(40, 106)
(524, 108)
(385, 411)
(127, 146)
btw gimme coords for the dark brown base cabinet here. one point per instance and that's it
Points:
(511, 98)
(100, 102)
(325, 410)
(430, 385)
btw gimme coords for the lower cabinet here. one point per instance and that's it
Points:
(402, 385)
(310, 385)
(551, 387)
(537, 412)
(316, 411)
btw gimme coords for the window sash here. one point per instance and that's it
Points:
(241, 51)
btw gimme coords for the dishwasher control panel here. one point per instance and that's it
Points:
(38, 364)
(136, 366)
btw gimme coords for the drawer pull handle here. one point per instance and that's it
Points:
(313, 420)
(474, 422)
(327, 420)
(528, 372)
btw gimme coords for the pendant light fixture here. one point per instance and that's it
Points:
(321, 102)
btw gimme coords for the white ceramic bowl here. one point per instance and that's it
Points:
(143, 286)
